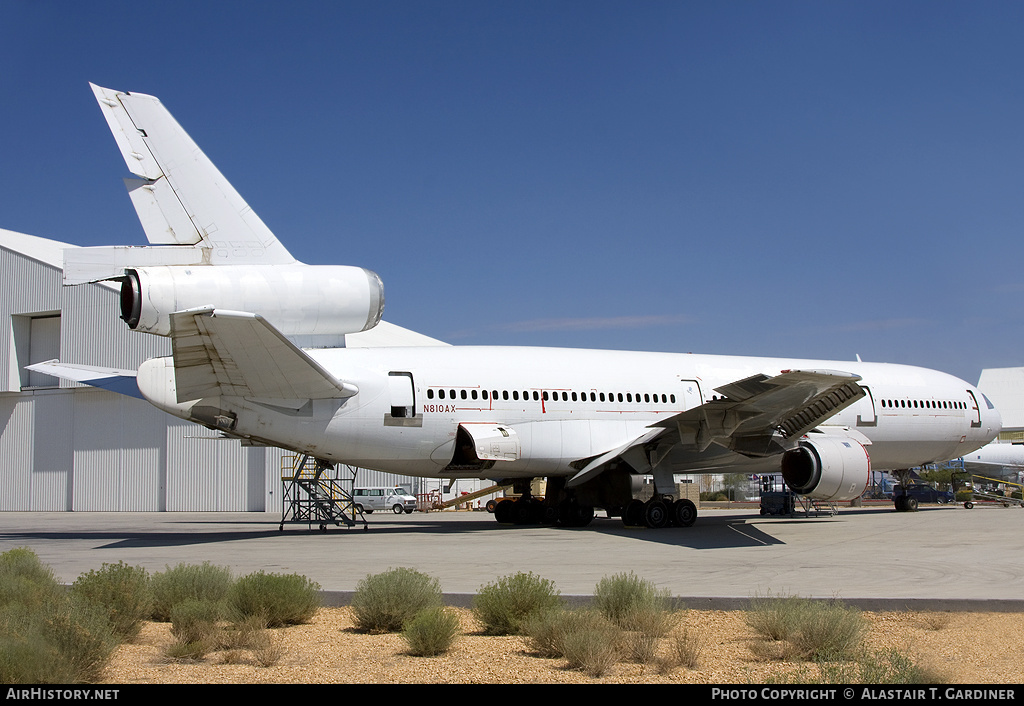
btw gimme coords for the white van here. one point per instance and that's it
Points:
(396, 499)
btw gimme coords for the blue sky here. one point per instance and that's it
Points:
(808, 179)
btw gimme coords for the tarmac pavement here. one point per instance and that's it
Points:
(940, 558)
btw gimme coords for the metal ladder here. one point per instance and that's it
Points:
(818, 507)
(311, 496)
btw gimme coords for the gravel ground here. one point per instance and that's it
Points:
(963, 648)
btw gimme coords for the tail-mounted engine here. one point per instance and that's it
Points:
(827, 468)
(296, 299)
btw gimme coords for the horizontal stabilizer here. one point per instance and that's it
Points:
(238, 354)
(119, 381)
(94, 264)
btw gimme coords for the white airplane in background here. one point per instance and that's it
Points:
(274, 351)
(999, 460)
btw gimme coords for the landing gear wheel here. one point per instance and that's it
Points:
(684, 512)
(655, 514)
(572, 514)
(525, 512)
(633, 515)
(397, 509)
(900, 501)
(503, 512)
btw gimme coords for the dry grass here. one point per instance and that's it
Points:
(958, 647)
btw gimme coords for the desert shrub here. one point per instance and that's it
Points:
(544, 630)
(776, 618)
(592, 643)
(631, 602)
(684, 650)
(195, 622)
(277, 599)
(503, 606)
(47, 635)
(432, 632)
(122, 591)
(267, 650)
(813, 630)
(25, 580)
(384, 602)
(66, 640)
(892, 667)
(829, 631)
(197, 582)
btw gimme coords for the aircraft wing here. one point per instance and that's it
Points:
(760, 415)
(182, 198)
(238, 354)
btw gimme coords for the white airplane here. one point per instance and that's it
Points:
(999, 460)
(277, 352)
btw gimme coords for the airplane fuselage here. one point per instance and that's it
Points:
(565, 405)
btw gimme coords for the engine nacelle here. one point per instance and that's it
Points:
(827, 468)
(296, 299)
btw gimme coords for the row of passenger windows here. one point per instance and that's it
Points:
(922, 404)
(564, 396)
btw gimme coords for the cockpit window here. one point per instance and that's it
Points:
(988, 401)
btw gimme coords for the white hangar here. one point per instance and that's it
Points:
(71, 447)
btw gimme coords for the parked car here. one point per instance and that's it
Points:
(397, 500)
(924, 493)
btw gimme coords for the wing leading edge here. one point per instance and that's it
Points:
(758, 416)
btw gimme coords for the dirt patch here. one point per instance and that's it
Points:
(967, 648)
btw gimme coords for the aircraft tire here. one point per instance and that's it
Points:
(526, 512)
(684, 512)
(655, 514)
(900, 502)
(633, 514)
(572, 514)
(503, 512)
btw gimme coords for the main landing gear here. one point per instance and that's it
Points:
(531, 511)
(659, 512)
(903, 502)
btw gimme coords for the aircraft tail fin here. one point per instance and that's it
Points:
(181, 198)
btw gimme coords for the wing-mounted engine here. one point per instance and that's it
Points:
(297, 299)
(827, 468)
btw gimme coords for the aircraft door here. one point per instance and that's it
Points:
(691, 394)
(974, 412)
(403, 395)
(866, 416)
